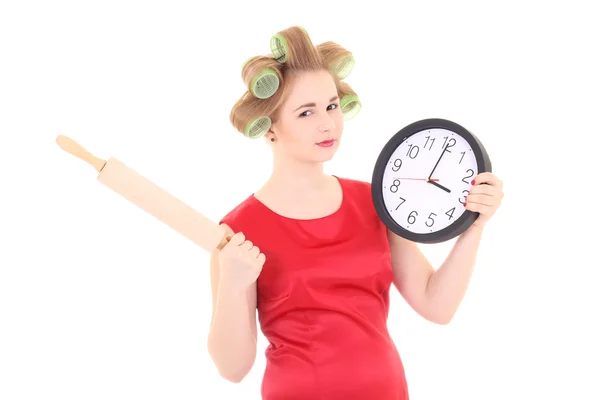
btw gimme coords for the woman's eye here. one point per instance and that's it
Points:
(331, 107)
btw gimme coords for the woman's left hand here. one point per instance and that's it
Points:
(484, 197)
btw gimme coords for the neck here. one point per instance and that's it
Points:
(295, 177)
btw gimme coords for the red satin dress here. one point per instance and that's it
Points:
(323, 301)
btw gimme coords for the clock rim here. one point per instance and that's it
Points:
(461, 224)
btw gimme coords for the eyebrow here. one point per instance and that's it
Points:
(313, 104)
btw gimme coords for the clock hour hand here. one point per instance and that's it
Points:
(440, 186)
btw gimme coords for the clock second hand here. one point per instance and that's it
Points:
(417, 179)
(433, 181)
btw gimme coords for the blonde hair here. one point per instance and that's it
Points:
(292, 52)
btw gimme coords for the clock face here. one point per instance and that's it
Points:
(422, 179)
(427, 179)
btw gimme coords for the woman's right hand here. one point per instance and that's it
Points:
(240, 262)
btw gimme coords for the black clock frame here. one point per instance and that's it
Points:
(457, 227)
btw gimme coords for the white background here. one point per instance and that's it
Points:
(98, 300)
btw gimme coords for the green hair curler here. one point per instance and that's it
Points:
(343, 66)
(258, 127)
(279, 48)
(350, 105)
(265, 83)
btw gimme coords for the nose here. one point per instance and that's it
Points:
(327, 124)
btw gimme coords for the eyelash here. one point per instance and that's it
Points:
(302, 114)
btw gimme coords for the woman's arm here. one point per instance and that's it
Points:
(232, 336)
(435, 295)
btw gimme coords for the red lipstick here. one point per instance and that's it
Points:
(326, 143)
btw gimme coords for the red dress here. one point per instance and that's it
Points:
(323, 301)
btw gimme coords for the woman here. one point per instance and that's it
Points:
(308, 251)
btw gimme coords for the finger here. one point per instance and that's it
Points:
(237, 239)
(478, 207)
(247, 245)
(488, 178)
(481, 199)
(484, 190)
(227, 229)
(261, 258)
(254, 251)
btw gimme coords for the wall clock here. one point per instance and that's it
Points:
(422, 177)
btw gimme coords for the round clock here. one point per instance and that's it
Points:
(422, 177)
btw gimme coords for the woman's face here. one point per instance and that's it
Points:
(310, 115)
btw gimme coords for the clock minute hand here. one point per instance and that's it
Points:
(438, 161)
